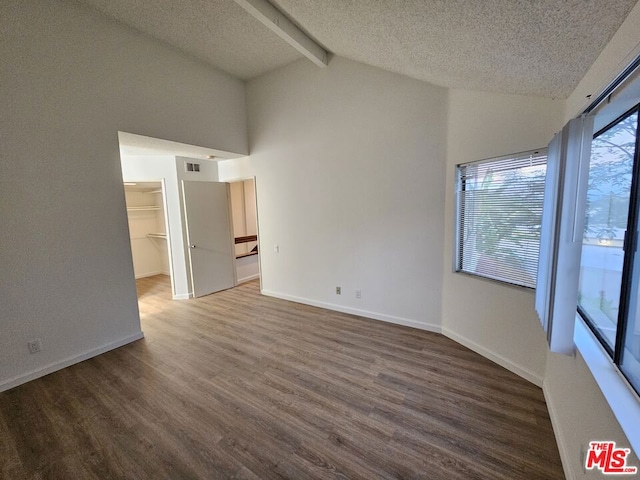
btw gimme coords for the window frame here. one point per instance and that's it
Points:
(458, 231)
(631, 239)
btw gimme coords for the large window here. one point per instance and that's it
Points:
(498, 217)
(609, 290)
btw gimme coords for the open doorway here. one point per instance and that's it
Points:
(196, 191)
(245, 229)
(148, 232)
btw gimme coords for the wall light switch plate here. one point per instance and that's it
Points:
(34, 346)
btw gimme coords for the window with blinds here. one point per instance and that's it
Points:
(498, 217)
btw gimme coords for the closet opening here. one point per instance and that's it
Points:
(149, 234)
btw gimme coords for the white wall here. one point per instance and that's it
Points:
(350, 183)
(208, 170)
(70, 80)
(496, 320)
(234, 170)
(580, 414)
(247, 268)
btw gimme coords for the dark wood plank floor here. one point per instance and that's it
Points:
(236, 385)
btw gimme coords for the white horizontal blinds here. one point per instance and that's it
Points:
(499, 214)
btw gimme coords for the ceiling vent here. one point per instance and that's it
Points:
(192, 167)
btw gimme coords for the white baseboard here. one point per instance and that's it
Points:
(182, 296)
(499, 359)
(54, 367)
(356, 311)
(248, 279)
(565, 456)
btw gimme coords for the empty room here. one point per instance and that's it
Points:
(444, 197)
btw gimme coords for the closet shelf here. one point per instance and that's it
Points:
(154, 191)
(157, 235)
(143, 208)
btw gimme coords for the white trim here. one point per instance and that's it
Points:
(273, 19)
(495, 357)
(248, 279)
(622, 399)
(565, 457)
(67, 362)
(429, 327)
(182, 296)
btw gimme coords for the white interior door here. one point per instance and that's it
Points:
(210, 236)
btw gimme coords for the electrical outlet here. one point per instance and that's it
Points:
(358, 293)
(34, 346)
(338, 291)
(276, 249)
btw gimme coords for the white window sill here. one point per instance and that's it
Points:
(622, 399)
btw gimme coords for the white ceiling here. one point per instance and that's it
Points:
(533, 47)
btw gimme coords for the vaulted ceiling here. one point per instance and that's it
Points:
(531, 47)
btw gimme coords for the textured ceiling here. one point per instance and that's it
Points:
(217, 31)
(534, 47)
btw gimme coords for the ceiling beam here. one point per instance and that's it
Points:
(271, 17)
